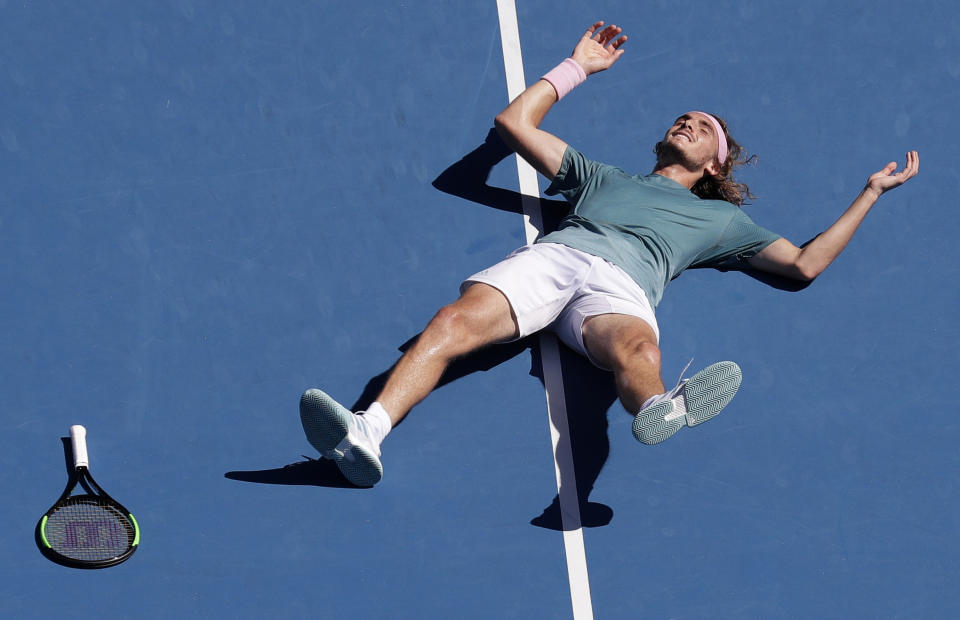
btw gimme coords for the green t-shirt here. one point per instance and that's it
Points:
(650, 226)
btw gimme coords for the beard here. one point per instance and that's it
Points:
(669, 153)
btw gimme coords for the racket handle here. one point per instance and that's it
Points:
(78, 440)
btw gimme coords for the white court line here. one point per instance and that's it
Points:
(550, 357)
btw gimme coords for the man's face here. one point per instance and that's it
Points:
(693, 140)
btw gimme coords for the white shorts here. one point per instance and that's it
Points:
(556, 287)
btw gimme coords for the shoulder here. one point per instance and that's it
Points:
(727, 210)
(573, 155)
(577, 165)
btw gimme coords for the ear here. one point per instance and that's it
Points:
(713, 168)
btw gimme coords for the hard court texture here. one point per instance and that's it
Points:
(209, 207)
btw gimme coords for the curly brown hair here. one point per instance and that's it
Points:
(723, 186)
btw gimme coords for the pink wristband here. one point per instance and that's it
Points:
(565, 77)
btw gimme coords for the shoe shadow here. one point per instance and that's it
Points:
(311, 472)
(323, 472)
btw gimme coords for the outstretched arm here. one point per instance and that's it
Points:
(783, 258)
(519, 123)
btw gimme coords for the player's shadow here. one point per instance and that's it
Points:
(589, 391)
(589, 394)
(467, 179)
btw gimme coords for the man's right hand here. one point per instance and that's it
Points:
(599, 49)
(519, 123)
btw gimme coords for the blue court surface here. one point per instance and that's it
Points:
(209, 207)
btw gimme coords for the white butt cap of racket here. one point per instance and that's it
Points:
(78, 440)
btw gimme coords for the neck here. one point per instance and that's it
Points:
(679, 173)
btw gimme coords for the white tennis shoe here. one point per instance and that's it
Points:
(693, 401)
(341, 436)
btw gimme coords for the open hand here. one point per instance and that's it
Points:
(888, 178)
(599, 49)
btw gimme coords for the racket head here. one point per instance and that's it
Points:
(91, 530)
(88, 531)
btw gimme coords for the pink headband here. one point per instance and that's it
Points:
(721, 137)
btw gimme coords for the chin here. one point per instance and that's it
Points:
(671, 152)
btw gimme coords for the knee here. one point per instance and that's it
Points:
(449, 319)
(480, 317)
(637, 351)
(450, 329)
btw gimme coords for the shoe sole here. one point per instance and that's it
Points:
(705, 395)
(325, 425)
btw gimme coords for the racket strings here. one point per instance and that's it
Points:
(88, 528)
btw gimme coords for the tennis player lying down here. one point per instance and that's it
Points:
(597, 279)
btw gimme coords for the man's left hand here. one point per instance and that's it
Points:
(887, 179)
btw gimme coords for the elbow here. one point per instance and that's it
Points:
(510, 126)
(807, 267)
(807, 273)
(503, 124)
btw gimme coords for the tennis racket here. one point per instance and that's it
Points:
(89, 530)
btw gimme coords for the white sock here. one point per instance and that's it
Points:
(378, 421)
(652, 401)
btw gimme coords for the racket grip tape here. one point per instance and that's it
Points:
(78, 441)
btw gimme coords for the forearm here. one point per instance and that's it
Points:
(527, 110)
(519, 123)
(519, 126)
(783, 258)
(819, 253)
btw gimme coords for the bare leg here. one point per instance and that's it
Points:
(481, 316)
(628, 346)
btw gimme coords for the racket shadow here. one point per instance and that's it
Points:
(68, 467)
